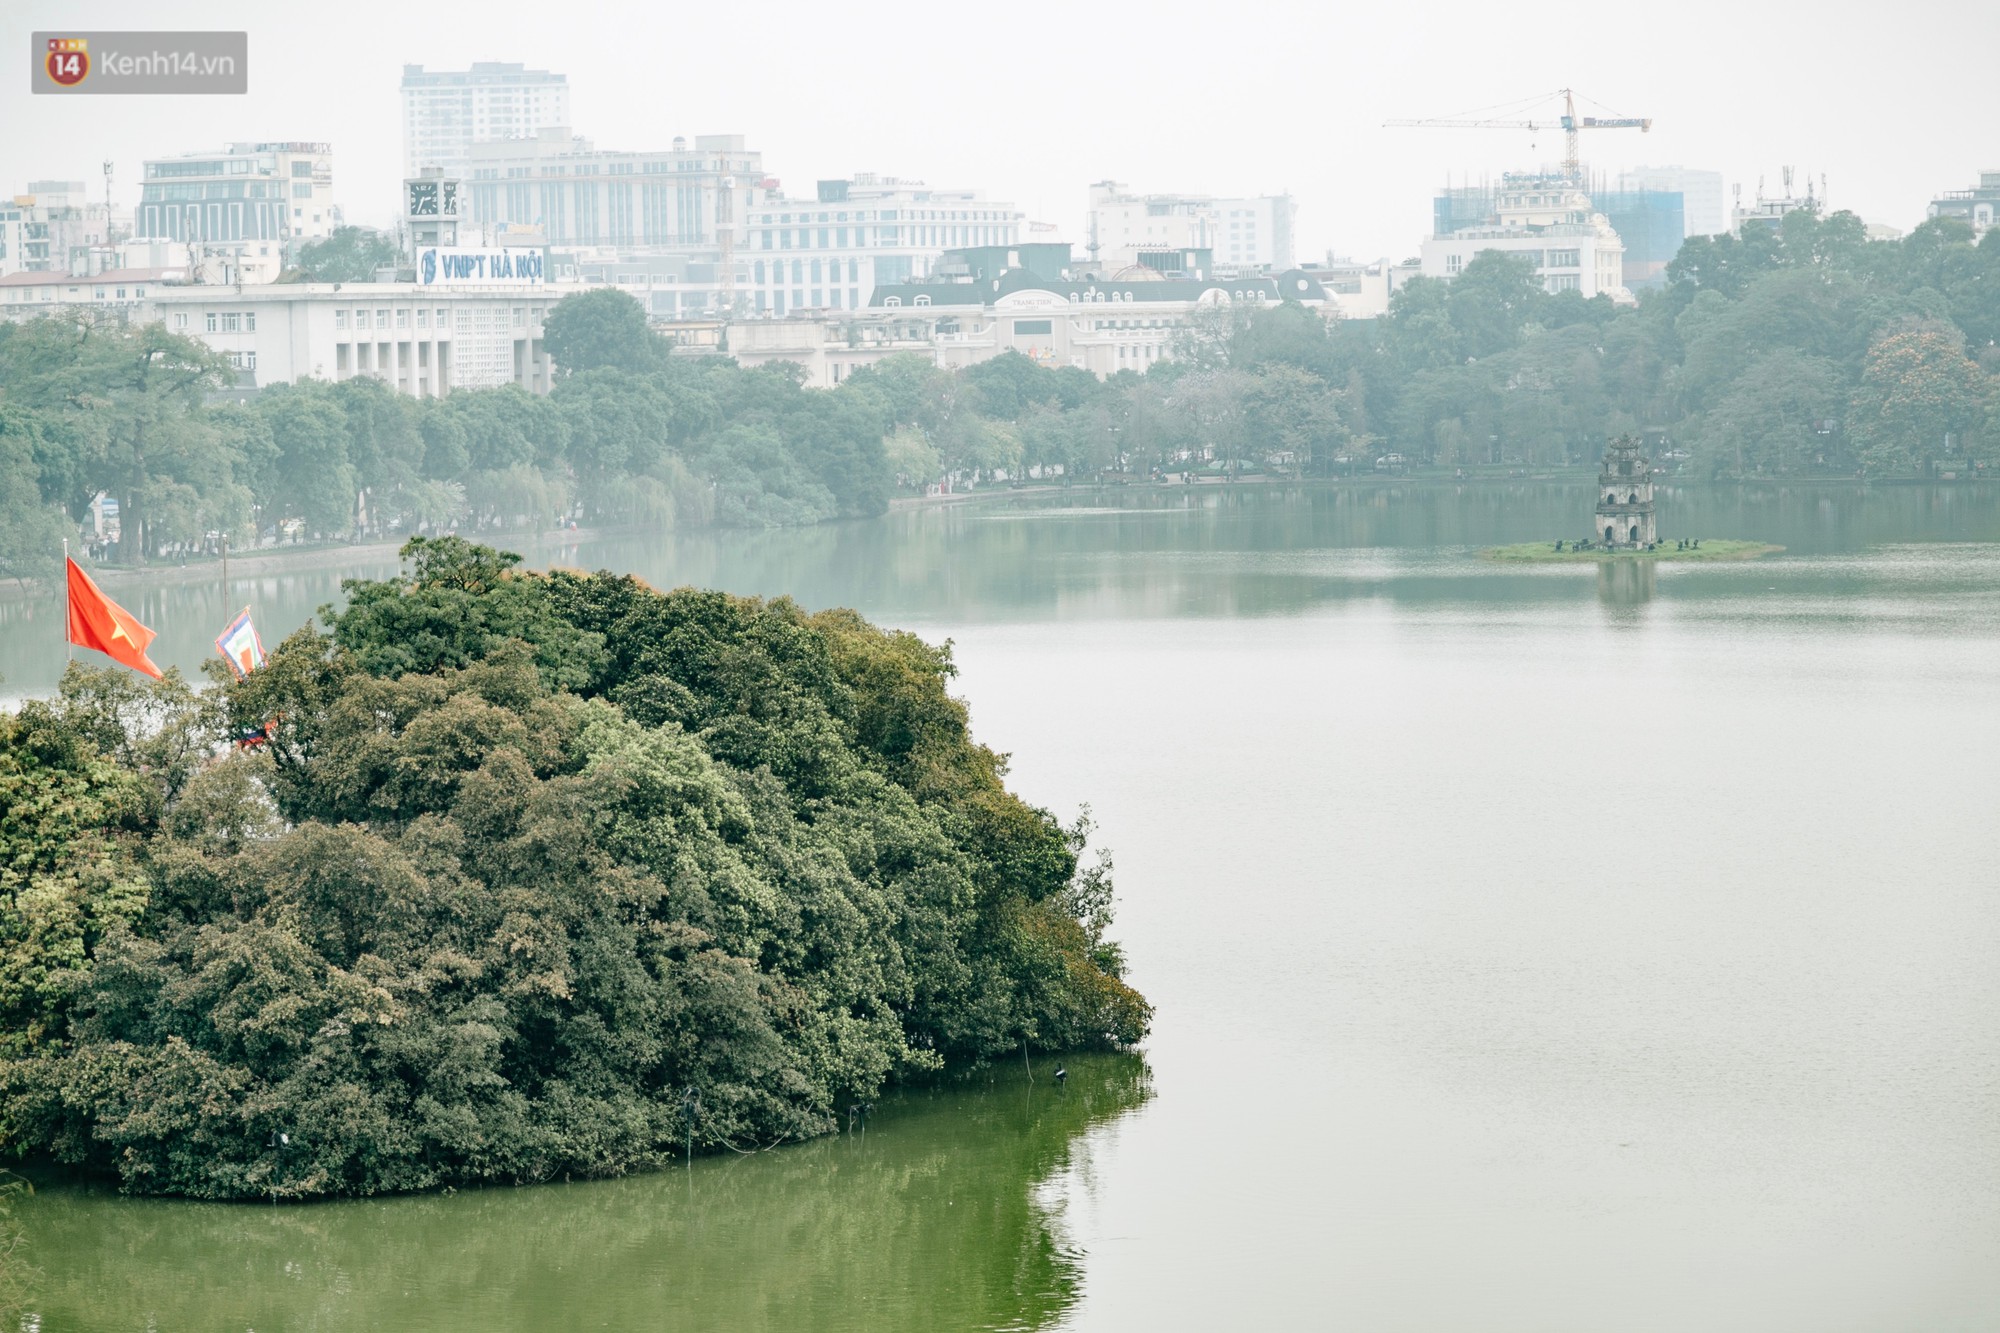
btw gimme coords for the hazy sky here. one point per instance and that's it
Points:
(1032, 102)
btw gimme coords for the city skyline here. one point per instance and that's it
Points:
(1099, 98)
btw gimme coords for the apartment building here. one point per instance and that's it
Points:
(446, 112)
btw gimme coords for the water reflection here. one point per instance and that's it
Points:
(942, 1215)
(1144, 553)
(1626, 583)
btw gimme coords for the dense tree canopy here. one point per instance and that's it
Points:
(532, 869)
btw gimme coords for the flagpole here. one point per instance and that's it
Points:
(69, 648)
(225, 573)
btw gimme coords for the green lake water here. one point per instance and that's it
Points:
(1535, 948)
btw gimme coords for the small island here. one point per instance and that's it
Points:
(1539, 553)
(1624, 526)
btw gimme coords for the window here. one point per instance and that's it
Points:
(302, 192)
(381, 319)
(423, 319)
(98, 293)
(1022, 326)
(213, 322)
(402, 319)
(443, 319)
(340, 319)
(249, 321)
(180, 319)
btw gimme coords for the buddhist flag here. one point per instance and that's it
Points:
(240, 646)
(95, 621)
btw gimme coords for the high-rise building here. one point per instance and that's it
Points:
(241, 210)
(446, 112)
(1704, 206)
(1651, 223)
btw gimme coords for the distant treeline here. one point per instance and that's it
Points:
(1804, 349)
(137, 413)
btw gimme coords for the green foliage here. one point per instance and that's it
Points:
(525, 858)
(1775, 352)
(350, 254)
(603, 329)
(31, 528)
(1918, 391)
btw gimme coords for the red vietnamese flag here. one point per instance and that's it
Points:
(95, 621)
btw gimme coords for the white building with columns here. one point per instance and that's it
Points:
(425, 341)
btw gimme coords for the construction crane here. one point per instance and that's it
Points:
(1569, 122)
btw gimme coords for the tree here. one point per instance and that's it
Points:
(31, 529)
(1284, 335)
(316, 478)
(349, 254)
(1776, 419)
(1296, 416)
(1920, 396)
(601, 328)
(1492, 300)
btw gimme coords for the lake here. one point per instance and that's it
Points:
(1534, 949)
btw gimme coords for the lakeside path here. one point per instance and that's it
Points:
(291, 559)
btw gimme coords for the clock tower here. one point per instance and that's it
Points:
(430, 209)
